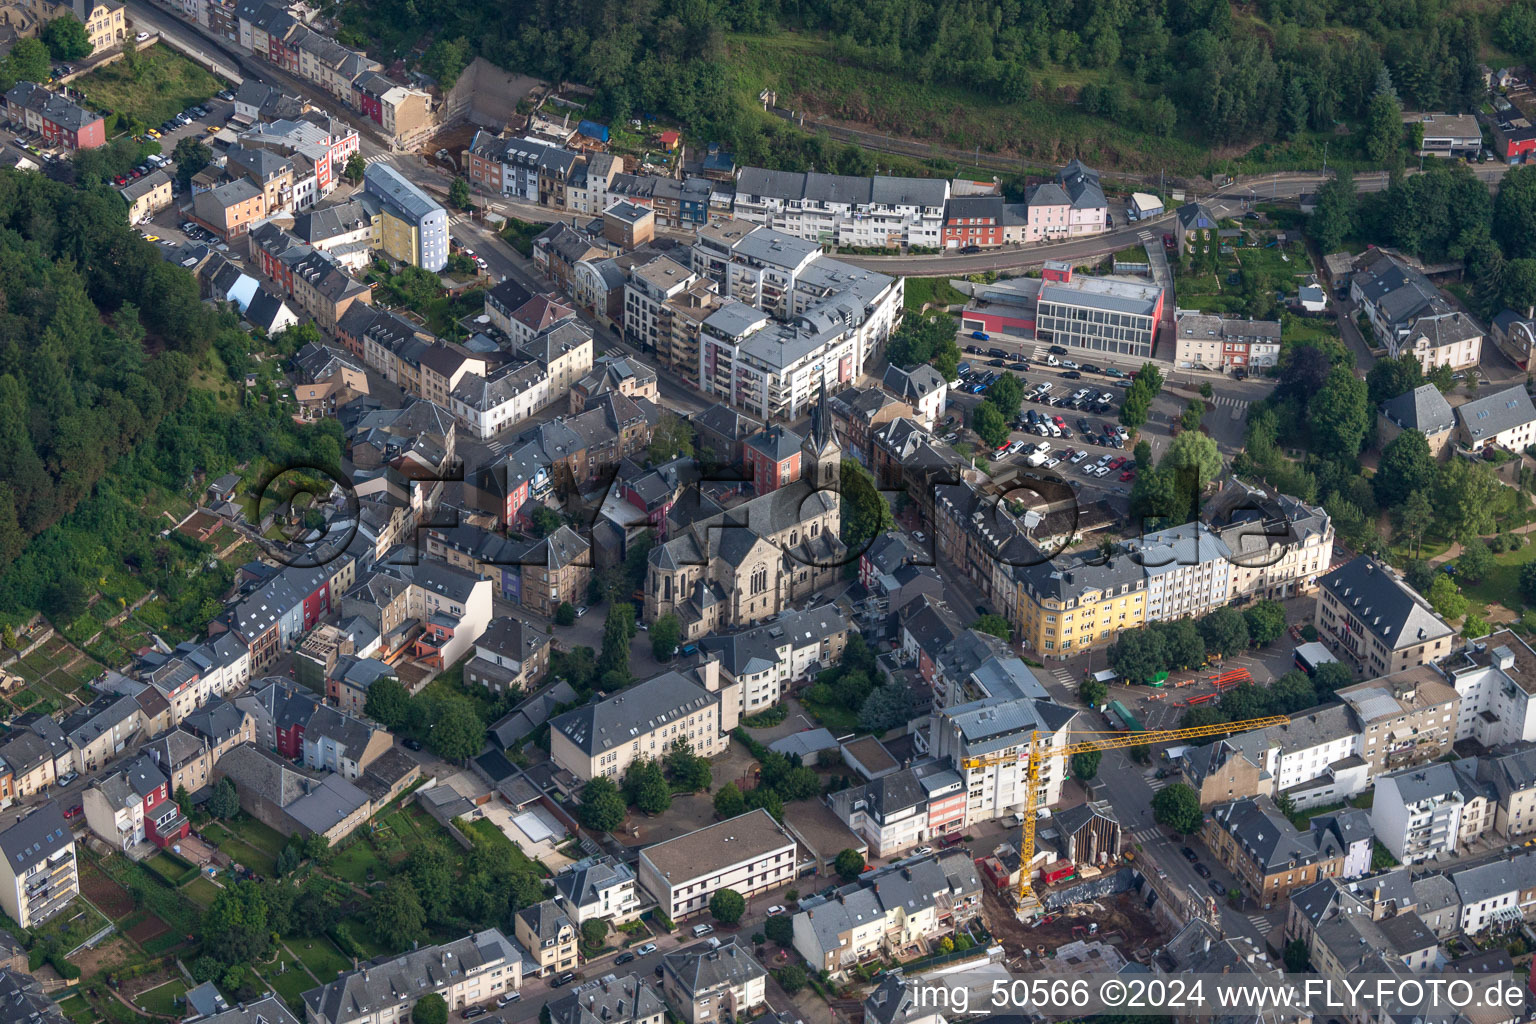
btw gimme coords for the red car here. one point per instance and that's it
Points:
(74, 810)
(1129, 474)
(1117, 463)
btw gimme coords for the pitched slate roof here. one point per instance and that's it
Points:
(1383, 604)
(1493, 414)
(1423, 409)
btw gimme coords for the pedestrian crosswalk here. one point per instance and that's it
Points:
(1157, 784)
(1260, 923)
(1065, 678)
(1149, 834)
(1238, 406)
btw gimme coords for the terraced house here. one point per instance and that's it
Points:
(465, 971)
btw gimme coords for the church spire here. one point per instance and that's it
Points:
(822, 453)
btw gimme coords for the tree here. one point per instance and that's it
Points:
(646, 786)
(236, 928)
(1517, 286)
(1178, 807)
(1514, 213)
(1466, 495)
(1092, 692)
(190, 156)
(1183, 646)
(1330, 677)
(1406, 466)
(1528, 582)
(780, 929)
(224, 802)
(994, 624)
(729, 802)
(1297, 956)
(886, 707)
(594, 932)
(355, 169)
(388, 703)
(1142, 454)
(1086, 765)
(1138, 655)
(1442, 377)
(458, 195)
(1415, 516)
(727, 906)
(1194, 455)
(791, 978)
(602, 808)
(457, 731)
(849, 865)
(613, 663)
(1475, 561)
(1193, 414)
(66, 38)
(445, 60)
(1446, 598)
(865, 512)
(29, 61)
(431, 875)
(689, 771)
(989, 424)
(183, 800)
(565, 614)
(1383, 129)
(1474, 626)
(430, 1009)
(922, 339)
(545, 521)
(1340, 416)
(1291, 693)
(1225, 631)
(666, 636)
(1392, 377)
(1006, 393)
(1265, 621)
(673, 438)
(288, 858)
(1334, 218)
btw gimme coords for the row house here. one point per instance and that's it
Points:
(1500, 894)
(896, 812)
(133, 805)
(857, 413)
(61, 121)
(973, 220)
(844, 210)
(272, 616)
(316, 281)
(433, 610)
(1217, 343)
(1342, 928)
(101, 730)
(465, 972)
(280, 711)
(899, 911)
(194, 673)
(1271, 859)
(404, 114)
(511, 656)
(186, 759)
(347, 231)
(342, 743)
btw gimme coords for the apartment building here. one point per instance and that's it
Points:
(1280, 545)
(147, 196)
(1513, 776)
(1406, 718)
(463, 972)
(413, 228)
(1420, 813)
(644, 721)
(714, 983)
(1495, 677)
(59, 120)
(553, 571)
(133, 805)
(1000, 729)
(404, 114)
(1342, 929)
(1408, 313)
(1077, 603)
(230, 210)
(922, 389)
(1377, 621)
(765, 661)
(749, 854)
(545, 931)
(38, 876)
(1188, 569)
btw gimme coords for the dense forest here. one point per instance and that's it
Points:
(1205, 69)
(99, 343)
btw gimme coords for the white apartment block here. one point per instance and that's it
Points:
(1189, 571)
(1421, 812)
(750, 854)
(1000, 727)
(844, 210)
(1496, 678)
(38, 876)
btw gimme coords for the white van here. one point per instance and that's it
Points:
(701, 930)
(1051, 360)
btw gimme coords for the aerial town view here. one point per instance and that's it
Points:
(858, 512)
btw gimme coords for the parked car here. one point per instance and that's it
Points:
(966, 250)
(1110, 371)
(1057, 350)
(564, 979)
(623, 958)
(1090, 368)
(1202, 870)
(1217, 887)
(473, 1012)
(1129, 474)
(775, 910)
(139, 37)
(509, 998)
(1072, 375)
(646, 950)
(981, 336)
(77, 809)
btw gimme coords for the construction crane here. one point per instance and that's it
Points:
(1037, 752)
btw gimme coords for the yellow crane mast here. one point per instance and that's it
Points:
(1037, 752)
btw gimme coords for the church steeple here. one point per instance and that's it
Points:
(821, 455)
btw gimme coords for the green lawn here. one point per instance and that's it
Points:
(77, 1009)
(488, 831)
(921, 290)
(1503, 584)
(166, 83)
(355, 861)
(240, 842)
(162, 1000)
(519, 234)
(837, 719)
(201, 891)
(320, 956)
(291, 985)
